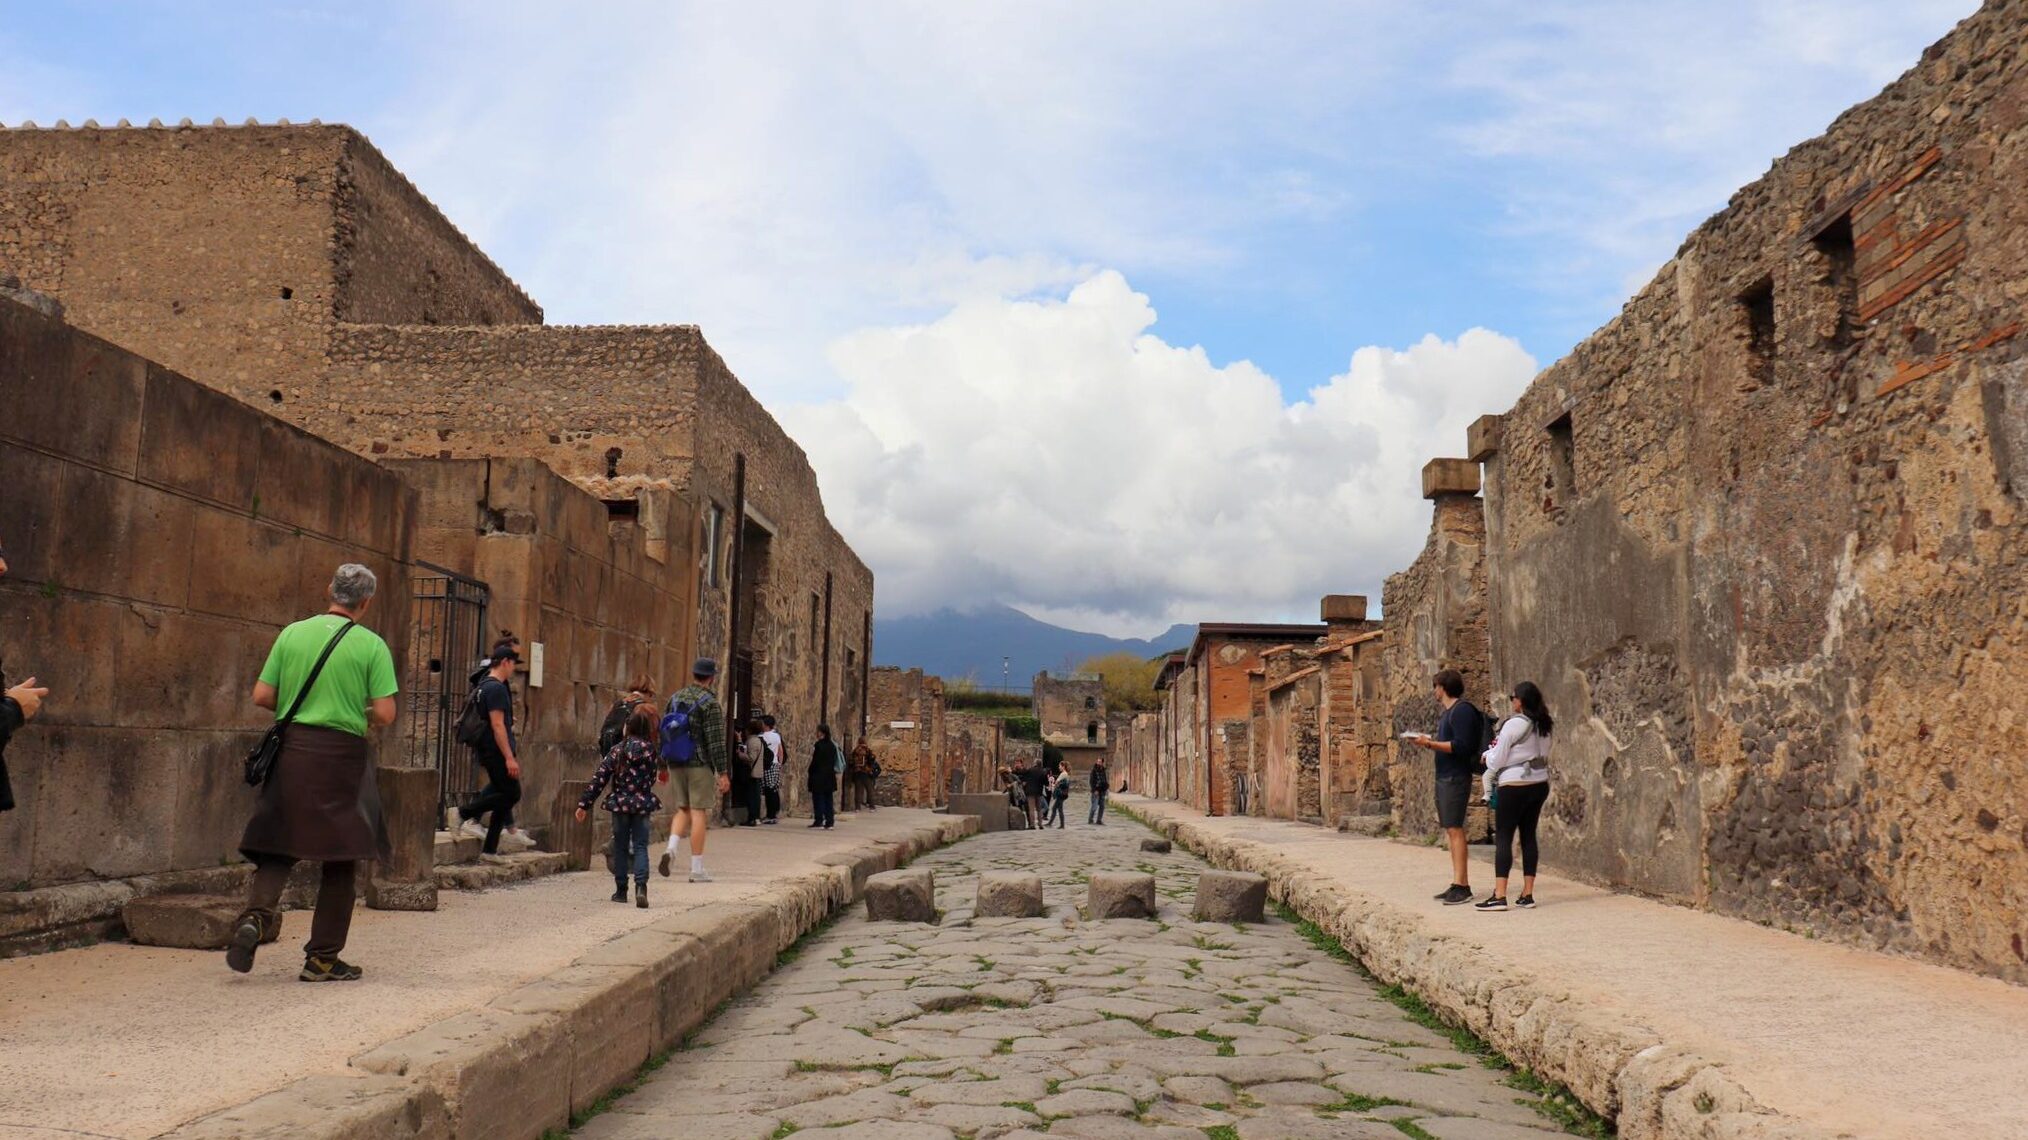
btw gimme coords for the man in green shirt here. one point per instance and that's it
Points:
(320, 802)
(695, 787)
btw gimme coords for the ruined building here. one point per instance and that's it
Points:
(611, 495)
(1762, 541)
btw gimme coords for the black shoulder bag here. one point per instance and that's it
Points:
(260, 763)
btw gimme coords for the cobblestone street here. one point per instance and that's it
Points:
(1002, 1027)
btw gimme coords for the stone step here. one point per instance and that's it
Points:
(499, 870)
(453, 847)
(189, 922)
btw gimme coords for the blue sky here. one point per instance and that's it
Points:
(859, 202)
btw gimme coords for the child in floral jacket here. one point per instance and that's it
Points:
(630, 768)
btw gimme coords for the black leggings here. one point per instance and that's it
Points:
(1519, 807)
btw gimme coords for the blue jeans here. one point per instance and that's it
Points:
(823, 809)
(630, 831)
(1097, 813)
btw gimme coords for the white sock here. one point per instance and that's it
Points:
(673, 837)
(696, 863)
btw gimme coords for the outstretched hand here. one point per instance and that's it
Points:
(29, 696)
(579, 815)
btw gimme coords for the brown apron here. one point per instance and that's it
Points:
(321, 803)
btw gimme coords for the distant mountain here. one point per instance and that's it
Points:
(953, 644)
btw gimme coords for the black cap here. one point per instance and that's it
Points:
(503, 652)
(704, 667)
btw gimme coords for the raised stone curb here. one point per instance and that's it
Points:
(1621, 1069)
(902, 896)
(1008, 894)
(1120, 894)
(498, 870)
(1158, 846)
(188, 922)
(524, 1062)
(1230, 896)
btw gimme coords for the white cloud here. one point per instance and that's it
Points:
(1057, 455)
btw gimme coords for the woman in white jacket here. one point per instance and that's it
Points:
(1517, 780)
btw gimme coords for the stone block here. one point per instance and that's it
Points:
(385, 894)
(1449, 477)
(1344, 607)
(990, 807)
(1230, 896)
(499, 1073)
(902, 896)
(1482, 439)
(1121, 894)
(407, 881)
(188, 922)
(329, 1108)
(1158, 846)
(1009, 894)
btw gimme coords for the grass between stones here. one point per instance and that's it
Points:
(788, 1128)
(1221, 1132)
(1411, 1129)
(1553, 1101)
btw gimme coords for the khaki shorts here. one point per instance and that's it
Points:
(693, 786)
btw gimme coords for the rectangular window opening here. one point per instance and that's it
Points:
(1757, 319)
(1841, 273)
(1562, 463)
(622, 510)
(714, 531)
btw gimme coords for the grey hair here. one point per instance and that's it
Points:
(353, 584)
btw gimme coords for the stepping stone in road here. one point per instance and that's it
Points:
(1158, 846)
(902, 896)
(1121, 894)
(1230, 896)
(1009, 894)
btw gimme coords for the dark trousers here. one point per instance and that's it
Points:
(823, 809)
(1097, 814)
(1055, 811)
(746, 792)
(864, 786)
(630, 848)
(332, 920)
(498, 797)
(1518, 809)
(773, 796)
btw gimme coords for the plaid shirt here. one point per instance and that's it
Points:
(709, 718)
(630, 767)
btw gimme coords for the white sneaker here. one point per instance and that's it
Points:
(473, 828)
(700, 876)
(516, 841)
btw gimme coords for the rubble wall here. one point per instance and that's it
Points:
(908, 736)
(1761, 539)
(159, 534)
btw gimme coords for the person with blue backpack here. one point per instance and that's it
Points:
(693, 748)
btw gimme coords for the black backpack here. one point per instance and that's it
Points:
(474, 728)
(615, 727)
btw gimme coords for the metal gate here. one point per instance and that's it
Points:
(447, 638)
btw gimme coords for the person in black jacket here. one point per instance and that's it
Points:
(641, 692)
(826, 761)
(18, 706)
(1097, 812)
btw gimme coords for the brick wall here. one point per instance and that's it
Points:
(158, 536)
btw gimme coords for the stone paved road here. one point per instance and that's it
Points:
(995, 1027)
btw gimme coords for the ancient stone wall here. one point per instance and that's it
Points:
(1072, 709)
(158, 535)
(1286, 751)
(1184, 748)
(1435, 614)
(604, 599)
(1353, 731)
(399, 261)
(298, 270)
(1760, 539)
(909, 736)
(972, 751)
(206, 250)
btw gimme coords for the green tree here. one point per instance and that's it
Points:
(1129, 680)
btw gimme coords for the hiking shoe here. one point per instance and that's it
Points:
(620, 895)
(246, 938)
(663, 866)
(641, 895)
(317, 969)
(1493, 902)
(1457, 894)
(700, 876)
(1525, 902)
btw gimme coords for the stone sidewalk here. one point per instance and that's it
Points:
(1121, 1029)
(126, 1041)
(1679, 1022)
